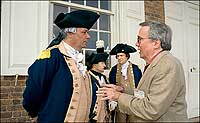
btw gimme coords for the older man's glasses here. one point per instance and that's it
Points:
(139, 39)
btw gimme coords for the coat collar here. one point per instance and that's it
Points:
(150, 67)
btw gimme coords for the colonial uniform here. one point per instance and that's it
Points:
(57, 90)
(127, 75)
(99, 111)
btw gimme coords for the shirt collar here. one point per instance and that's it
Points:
(151, 60)
(70, 49)
(96, 73)
(124, 69)
(125, 65)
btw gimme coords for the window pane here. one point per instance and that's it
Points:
(78, 1)
(104, 22)
(92, 3)
(94, 26)
(106, 37)
(58, 9)
(56, 31)
(92, 41)
(108, 64)
(105, 4)
(88, 53)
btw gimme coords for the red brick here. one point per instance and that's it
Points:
(153, 13)
(8, 77)
(15, 108)
(23, 78)
(4, 95)
(6, 102)
(17, 101)
(16, 95)
(24, 113)
(5, 89)
(16, 114)
(18, 89)
(5, 120)
(6, 114)
(5, 83)
(3, 108)
(22, 83)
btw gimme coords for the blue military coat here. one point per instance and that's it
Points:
(48, 88)
(95, 83)
(136, 71)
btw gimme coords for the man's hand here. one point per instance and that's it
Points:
(109, 92)
(117, 88)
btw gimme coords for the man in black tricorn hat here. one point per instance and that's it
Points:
(96, 64)
(58, 88)
(125, 74)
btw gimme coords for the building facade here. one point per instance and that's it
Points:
(27, 28)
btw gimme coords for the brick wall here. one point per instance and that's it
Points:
(11, 99)
(12, 88)
(154, 10)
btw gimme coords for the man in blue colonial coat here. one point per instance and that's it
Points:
(58, 89)
(125, 74)
(96, 63)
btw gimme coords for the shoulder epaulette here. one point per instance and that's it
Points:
(46, 53)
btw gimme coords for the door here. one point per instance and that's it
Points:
(193, 59)
(130, 14)
(183, 18)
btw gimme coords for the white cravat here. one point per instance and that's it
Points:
(124, 69)
(101, 81)
(78, 57)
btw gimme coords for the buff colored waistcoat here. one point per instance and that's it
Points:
(100, 106)
(79, 107)
(130, 82)
(130, 86)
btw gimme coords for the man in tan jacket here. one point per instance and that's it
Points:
(160, 95)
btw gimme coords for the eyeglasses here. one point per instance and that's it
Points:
(140, 38)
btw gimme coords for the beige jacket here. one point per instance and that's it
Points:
(163, 84)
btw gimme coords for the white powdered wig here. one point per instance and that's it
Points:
(72, 30)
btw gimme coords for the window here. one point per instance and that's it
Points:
(101, 30)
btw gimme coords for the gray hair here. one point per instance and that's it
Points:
(159, 31)
(71, 29)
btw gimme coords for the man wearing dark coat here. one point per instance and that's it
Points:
(125, 74)
(96, 63)
(58, 89)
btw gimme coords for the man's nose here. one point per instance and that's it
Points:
(104, 66)
(137, 44)
(88, 36)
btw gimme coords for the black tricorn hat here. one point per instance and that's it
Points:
(94, 58)
(79, 18)
(122, 48)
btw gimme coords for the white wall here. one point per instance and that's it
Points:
(24, 33)
(183, 18)
(129, 14)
